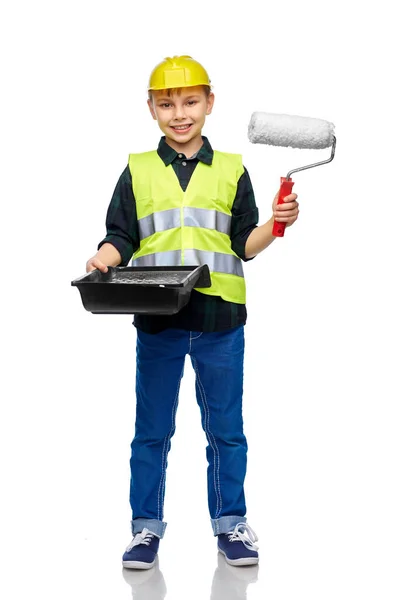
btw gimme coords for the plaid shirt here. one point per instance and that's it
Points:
(203, 312)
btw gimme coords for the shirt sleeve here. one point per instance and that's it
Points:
(121, 220)
(244, 215)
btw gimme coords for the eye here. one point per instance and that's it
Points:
(192, 102)
(165, 105)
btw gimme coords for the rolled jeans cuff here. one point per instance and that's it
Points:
(226, 524)
(154, 525)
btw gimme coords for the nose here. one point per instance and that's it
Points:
(179, 112)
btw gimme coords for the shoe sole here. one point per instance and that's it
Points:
(240, 562)
(136, 564)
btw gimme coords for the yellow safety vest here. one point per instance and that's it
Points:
(192, 227)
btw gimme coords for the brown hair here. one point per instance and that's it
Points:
(206, 88)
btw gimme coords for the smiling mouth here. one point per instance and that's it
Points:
(181, 128)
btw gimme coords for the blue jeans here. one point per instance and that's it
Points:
(217, 359)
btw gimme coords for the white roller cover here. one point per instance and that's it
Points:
(290, 130)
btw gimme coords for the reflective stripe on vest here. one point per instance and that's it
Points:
(218, 263)
(192, 217)
(192, 227)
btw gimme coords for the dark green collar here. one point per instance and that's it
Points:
(168, 154)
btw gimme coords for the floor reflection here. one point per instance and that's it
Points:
(146, 585)
(229, 583)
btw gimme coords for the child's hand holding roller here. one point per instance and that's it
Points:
(287, 212)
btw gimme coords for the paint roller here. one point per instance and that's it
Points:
(296, 132)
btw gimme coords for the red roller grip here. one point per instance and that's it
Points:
(278, 229)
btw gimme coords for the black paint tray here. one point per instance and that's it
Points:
(141, 290)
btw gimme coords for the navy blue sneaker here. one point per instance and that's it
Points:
(142, 551)
(238, 546)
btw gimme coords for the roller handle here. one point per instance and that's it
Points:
(278, 229)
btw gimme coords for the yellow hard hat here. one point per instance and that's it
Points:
(178, 72)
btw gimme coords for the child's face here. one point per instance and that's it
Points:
(181, 115)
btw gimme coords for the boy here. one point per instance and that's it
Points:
(188, 204)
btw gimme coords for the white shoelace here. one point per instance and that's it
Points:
(244, 533)
(144, 537)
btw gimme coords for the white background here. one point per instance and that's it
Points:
(321, 402)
